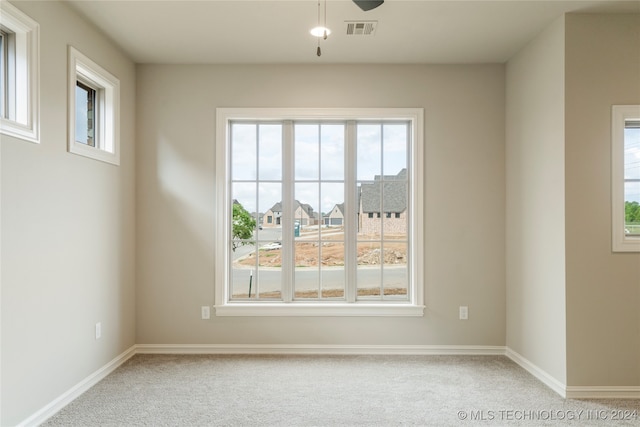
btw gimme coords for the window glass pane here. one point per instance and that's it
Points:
(242, 222)
(307, 155)
(332, 269)
(261, 283)
(370, 198)
(85, 114)
(270, 211)
(307, 269)
(368, 147)
(332, 152)
(305, 209)
(369, 270)
(632, 177)
(243, 151)
(632, 208)
(269, 256)
(332, 210)
(270, 149)
(632, 153)
(395, 274)
(395, 194)
(394, 148)
(256, 274)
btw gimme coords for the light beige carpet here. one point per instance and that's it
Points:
(240, 390)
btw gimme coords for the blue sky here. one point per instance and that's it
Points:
(318, 154)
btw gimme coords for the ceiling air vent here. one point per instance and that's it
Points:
(361, 28)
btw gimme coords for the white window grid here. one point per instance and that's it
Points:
(412, 306)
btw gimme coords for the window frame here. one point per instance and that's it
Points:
(621, 242)
(106, 109)
(20, 114)
(225, 307)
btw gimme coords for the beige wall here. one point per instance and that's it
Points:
(535, 227)
(67, 234)
(464, 151)
(84, 241)
(603, 288)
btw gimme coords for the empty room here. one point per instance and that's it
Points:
(302, 212)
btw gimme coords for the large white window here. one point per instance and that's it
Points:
(19, 74)
(94, 110)
(625, 155)
(321, 212)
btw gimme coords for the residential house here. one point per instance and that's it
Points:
(303, 213)
(335, 216)
(383, 205)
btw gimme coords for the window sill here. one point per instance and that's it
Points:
(94, 153)
(20, 131)
(625, 243)
(321, 310)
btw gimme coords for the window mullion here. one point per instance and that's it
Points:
(351, 212)
(382, 211)
(287, 210)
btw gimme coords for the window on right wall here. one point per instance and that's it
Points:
(625, 166)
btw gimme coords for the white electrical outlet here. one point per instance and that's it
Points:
(206, 312)
(98, 330)
(464, 312)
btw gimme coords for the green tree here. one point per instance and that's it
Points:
(632, 212)
(243, 226)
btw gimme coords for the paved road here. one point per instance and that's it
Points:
(307, 279)
(266, 235)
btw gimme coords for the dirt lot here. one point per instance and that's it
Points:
(307, 254)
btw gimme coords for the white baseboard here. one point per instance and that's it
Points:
(67, 397)
(318, 349)
(585, 392)
(538, 372)
(574, 392)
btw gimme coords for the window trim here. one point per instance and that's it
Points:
(224, 307)
(22, 100)
(620, 241)
(107, 126)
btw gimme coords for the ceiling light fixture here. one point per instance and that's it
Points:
(321, 31)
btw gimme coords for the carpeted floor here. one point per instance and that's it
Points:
(250, 390)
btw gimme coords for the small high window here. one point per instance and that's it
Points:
(19, 87)
(94, 104)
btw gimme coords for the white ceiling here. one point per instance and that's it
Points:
(277, 31)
